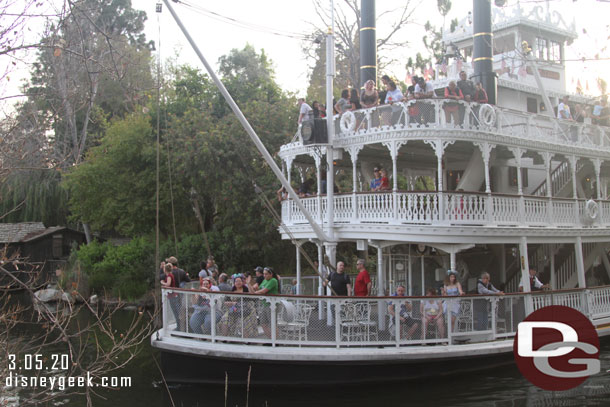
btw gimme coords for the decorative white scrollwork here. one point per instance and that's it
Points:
(487, 115)
(348, 122)
(591, 210)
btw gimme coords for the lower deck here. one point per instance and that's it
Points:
(352, 338)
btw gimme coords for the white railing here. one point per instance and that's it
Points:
(457, 208)
(433, 113)
(374, 322)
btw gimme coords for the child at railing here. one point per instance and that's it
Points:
(432, 311)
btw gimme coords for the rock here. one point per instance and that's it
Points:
(93, 299)
(66, 297)
(48, 295)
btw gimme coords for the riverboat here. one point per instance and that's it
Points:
(500, 187)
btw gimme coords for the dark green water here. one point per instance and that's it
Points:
(501, 388)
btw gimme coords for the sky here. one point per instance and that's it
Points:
(278, 26)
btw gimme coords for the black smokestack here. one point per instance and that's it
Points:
(368, 42)
(482, 55)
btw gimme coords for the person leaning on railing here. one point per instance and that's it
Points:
(424, 90)
(451, 108)
(407, 323)
(484, 286)
(393, 95)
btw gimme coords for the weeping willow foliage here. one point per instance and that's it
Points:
(34, 196)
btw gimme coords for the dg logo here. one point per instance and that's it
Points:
(557, 348)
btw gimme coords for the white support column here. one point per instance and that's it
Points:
(486, 153)
(318, 162)
(518, 154)
(289, 161)
(331, 253)
(452, 264)
(439, 148)
(298, 244)
(320, 287)
(381, 311)
(548, 157)
(353, 153)
(573, 161)
(580, 264)
(597, 165)
(410, 272)
(553, 273)
(394, 146)
(525, 275)
(502, 263)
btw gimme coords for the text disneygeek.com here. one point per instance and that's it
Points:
(64, 382)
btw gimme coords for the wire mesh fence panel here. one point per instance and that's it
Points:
(342, 322)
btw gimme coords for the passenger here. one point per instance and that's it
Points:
(174, 299)
(480, 96)
(385, 182)
(563, 110)
(393, 95)
(354, 98)
(305, 188)
(203, 273)
(535, 284)
(305, 111)
(339, 281)
(211, 267)
(481, 312)
(382, 93)
(281, 194)
(452, 108)
(258, 271)
(452, 288)
(293, 287)
(601, 113)
(362, 286)
(277, 277)
(202, 316)
(424, 90)
(249, 281)
(344, 104)
(269, 286)
(432, 311)
(369, 97)
(414, 109)
(181, 276)
(466, 86)
(240, 312)
(162, 270)
(319, 111)
(223, 284)
(376, 181)
(407, 323)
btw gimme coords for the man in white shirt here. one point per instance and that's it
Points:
(305, 111)
(424, 90)
(563, 110)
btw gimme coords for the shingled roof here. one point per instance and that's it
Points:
(16, 232)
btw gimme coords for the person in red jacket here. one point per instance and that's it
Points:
(362, 287)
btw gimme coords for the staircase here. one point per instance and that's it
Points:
(565, 263)
(561, 178)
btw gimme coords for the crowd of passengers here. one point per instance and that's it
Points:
(239, 313)
(351, 99)
(463, 89)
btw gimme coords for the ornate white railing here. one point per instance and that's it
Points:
(454, 208)
(386, 120)
(364, 321)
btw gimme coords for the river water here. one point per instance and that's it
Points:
(504, 387)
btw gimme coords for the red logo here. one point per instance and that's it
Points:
(557, 348)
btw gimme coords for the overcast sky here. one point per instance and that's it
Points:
(272, 25)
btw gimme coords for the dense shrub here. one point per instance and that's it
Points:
(125, 271)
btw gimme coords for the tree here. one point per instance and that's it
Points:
(347, 33)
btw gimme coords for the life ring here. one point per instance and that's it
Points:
(591, 209)
(487, 115)
(347, 122)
